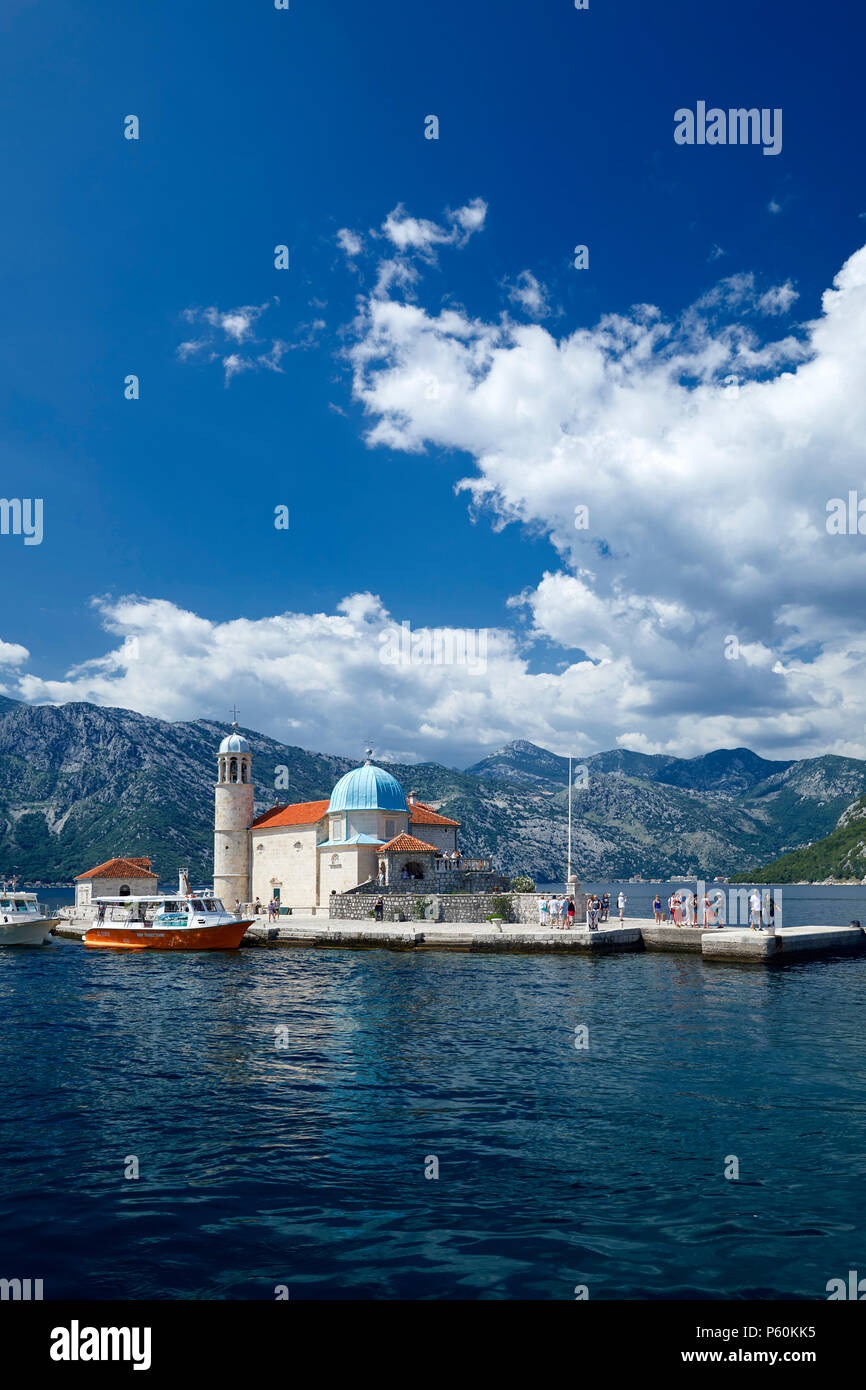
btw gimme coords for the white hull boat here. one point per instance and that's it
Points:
(23, 921)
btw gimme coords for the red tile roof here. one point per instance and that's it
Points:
(422, 814)
(309, 812)
(407, 844)
(303, 813)
(120, 868)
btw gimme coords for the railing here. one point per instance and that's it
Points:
(464, 866)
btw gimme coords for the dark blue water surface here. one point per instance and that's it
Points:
(306, 1166)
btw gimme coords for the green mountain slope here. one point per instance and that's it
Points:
(840, 856)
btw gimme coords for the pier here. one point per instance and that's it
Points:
(642, 934)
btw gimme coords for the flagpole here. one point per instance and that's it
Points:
(568, 875)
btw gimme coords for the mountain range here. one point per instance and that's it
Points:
(81, 783)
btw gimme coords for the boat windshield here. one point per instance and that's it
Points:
(197, 905)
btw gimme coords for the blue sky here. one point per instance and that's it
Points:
(261, 127)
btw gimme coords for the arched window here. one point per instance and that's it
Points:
(233, 770)
(124, 890)
(414, 869)
(244, 771)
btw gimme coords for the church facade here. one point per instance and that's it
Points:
(367, 831)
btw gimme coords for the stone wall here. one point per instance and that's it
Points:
(445, 907)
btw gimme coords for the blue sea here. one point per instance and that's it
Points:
(429, 1128)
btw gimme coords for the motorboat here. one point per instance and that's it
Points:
(23, 920)
(191, 920)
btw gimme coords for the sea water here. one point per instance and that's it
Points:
(284, 1108)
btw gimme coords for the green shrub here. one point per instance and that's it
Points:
(522, 884)
(503, 907)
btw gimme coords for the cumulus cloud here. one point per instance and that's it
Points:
(327, 680)
(11, 654)
(680, 467)
(705, 454)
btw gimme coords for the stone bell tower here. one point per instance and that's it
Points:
(234, 814)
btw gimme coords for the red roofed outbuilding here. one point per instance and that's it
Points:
(116, 878)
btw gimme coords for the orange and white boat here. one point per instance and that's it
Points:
(191, 921)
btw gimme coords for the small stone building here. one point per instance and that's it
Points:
(116, 878)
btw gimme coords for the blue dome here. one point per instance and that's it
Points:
(234, 743)
(368, 788)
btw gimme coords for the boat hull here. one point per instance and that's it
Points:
(222, 936)
(27, 933)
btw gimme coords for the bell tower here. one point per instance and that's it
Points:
(234, 813)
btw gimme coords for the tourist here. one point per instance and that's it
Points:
(237, 907)
(707, 909)
(571, 912)
(674, 906)
(657, 909)
(771, 915)
(756, 907)
(403, 873)
(379, 909)
(605, 907)
(542, 912)
(380, 877)
(621, 902)
(563, 911)
(258, 908)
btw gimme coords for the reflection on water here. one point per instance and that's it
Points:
(305, 1164)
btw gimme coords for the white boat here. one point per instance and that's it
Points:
(23, 920)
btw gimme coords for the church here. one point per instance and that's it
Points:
(368, 831)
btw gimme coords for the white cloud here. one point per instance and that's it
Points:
(349, 242)
(530, 295)
(318, 679)
(229, 337)
(778, 299)
(11, 654)
(706, 455)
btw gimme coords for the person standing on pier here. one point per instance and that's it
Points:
(543, 917)
(563, 911)
(657, 909)
(621, 902)
(570, 910)
(756, 910)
